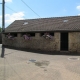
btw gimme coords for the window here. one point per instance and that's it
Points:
(41, 34)
(47, 35)
(14, 34)
(5, 34)
(28, 33)
(51, 33)
(32, 34)
(22, 34)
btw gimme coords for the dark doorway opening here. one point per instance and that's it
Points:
(64, 41)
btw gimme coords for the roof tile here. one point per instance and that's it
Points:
(46, 24)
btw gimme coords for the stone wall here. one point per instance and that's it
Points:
(40, 43)
(37, 42)
(74, 41)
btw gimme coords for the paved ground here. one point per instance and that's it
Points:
(21, 65)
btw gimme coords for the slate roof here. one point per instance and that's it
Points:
(69, 23)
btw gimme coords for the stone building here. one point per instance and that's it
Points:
(64, 32)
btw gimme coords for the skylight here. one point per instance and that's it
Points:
(25, 23)
(65, 20)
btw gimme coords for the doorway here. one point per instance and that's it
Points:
(64, 41)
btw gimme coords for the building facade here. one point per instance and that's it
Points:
(64, 31)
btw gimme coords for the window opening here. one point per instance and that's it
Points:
(27, 36)
(32, 34)
(14, 34)
(11, 35)
(47, 35)
(41, 34)
(51, 33)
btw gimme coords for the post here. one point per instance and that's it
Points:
(3, 24)
(3, 16)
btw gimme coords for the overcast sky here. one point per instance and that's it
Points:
(17, 10)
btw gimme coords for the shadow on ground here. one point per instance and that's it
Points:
(46, 52)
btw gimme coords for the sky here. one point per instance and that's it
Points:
(17, 10)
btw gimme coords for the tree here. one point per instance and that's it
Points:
(0, 29)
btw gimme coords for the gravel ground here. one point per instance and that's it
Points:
(22, 65)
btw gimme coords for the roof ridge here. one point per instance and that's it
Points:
(48, 18)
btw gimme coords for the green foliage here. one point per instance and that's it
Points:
(0, 29)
